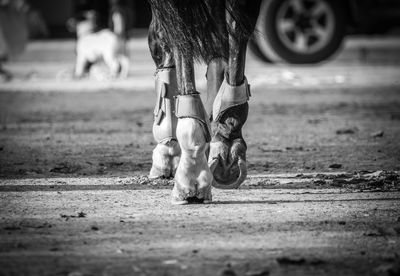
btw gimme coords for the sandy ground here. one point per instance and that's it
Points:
(322, 196)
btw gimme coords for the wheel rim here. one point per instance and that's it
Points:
(305, 26)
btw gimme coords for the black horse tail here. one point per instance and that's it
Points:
(198, 28)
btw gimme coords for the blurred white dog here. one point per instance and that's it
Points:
(94, 46)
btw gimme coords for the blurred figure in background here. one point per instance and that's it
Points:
(13, 32)
(96, 45)
(120, 18)
(37, 27)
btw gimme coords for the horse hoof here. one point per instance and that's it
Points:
(227, 157)
(227, 162)
(165, 160)
(193, 177)
(190, 200)
(178, 202)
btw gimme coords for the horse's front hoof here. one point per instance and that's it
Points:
(185, 195)
(165, 160)
(177, 201)
(193, 177)
(191, 200)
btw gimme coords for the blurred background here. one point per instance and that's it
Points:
(295, 31)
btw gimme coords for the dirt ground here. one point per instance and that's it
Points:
(322, 197)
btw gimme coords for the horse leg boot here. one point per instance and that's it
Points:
(193, 177)
(167, 152)
(227, 158)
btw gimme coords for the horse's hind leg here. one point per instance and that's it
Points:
(227, 157)
(193, 177)
(217, 62)
(166, 154)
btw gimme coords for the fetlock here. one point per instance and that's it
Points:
(167, 152)
(165, 159)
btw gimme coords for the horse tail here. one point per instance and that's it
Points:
(199, 29)
(244, 13)
(195, 28)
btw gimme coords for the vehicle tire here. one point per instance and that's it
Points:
(300, 31)
(256, 51)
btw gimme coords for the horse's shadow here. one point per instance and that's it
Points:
(275, 202)
(239, 202)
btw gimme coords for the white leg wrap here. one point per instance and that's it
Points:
(191, 106)
(167, 152)
(164, 127)
(229, 96)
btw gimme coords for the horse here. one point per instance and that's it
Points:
(200, 144)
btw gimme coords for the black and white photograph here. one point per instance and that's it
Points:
(199, 137)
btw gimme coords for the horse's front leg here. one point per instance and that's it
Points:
(167, 152)
(227, 157)
(193, 177)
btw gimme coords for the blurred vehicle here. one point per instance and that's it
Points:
(310, 31)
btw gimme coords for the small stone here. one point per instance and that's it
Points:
(377, 134)
(345, 131)
(290, 261)
(335, 166)
(81, 215)
(170, 262)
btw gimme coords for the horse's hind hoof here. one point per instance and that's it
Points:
(227, 157)
(167, 152)
(227, 163)
(165, 160)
